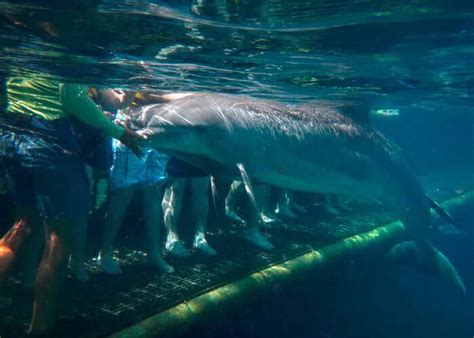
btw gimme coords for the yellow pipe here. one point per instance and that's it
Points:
(176, 320)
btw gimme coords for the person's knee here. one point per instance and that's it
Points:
(172, 213)
(165, 204)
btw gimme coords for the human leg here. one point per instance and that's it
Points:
(172, 203)
(79, 245)
(118, 203)
(283, 205)
(31, 253)
(328, 205)
(262, 197)
(79, 248)
(152, 215)
(200, 209)
(51, 273)
(340, 204)
(235, 191)
(27, 220)
(62, 195)
(253, 233)
(293, 204)
(12, 241)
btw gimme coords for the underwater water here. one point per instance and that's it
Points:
(410, 63)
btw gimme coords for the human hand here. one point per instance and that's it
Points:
(130, 139)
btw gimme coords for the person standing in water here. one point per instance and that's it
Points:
(51, 186)
(96, 152)
(181, 175)
(129, 176)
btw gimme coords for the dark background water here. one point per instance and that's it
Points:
(415, 56)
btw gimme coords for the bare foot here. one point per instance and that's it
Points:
(109, 265)
(256, 238)
(299, 208)
(233, 217)
(201, 244)
(285, 211)
(80, 273)
(176, 248)
(159, 263)
(268, 220)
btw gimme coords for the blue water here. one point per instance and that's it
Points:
(414, 56)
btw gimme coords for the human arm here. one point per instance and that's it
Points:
(76, 102)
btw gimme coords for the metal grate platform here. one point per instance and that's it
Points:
(107, 304)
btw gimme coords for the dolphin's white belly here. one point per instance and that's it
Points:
(321, 181)
(287, 167)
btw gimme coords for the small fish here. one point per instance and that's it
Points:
(386, 112)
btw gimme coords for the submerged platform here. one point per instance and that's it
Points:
(143, 302)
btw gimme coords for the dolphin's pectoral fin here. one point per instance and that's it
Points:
(429, 259)
(248, 188)
(440, 210)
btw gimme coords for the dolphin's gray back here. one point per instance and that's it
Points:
(265, 135)
(264, 116)
(312, 148)
(319, 125)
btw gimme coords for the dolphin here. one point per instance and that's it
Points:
(324, 147)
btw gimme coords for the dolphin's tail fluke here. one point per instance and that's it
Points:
(441, 211)
(429, 259)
